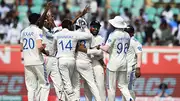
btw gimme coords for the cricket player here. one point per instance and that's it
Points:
(84, 62)
(134, 56)
(65, 43)
(51, 61)
(117, 45)
(97, 64)
(35, 71)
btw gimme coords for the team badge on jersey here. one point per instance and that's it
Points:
(140, 48)
(109, 40)
(41, 35)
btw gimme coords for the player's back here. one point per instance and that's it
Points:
(119, 49)
(67, 41)
(134, 47)
(31, 54)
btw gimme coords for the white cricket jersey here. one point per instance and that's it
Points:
(134, 48)
(67, 41)
(31, 54)
(98, 41)
(118, 42)
(13, 35)
(88, 43)
(48, 40)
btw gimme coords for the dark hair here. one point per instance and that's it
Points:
(168, 7)
(33, 18)
(129, 29)
(66, 23)
(163, 86)
(95, 23)
(3, 3)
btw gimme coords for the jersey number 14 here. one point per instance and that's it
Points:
(67, 45)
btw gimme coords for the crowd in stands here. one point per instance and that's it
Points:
(155, 24)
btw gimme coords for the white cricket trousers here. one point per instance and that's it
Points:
(66, 67)
(121, 78)
(85, 70)
(76, 83)
(100, 82)
(131, 79)
(36, 83)
(54, 73)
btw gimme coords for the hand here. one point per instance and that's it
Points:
(47, 53)
(48, 5)
(138, 72)
(44, 45)
(87, 9)
(98, 47)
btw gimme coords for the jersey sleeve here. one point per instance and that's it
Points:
(82, 35)
(137, 47)
(94, 51)
(39, 34)
(21, 37)
(110, 39)
(101, 40)
(93, 41)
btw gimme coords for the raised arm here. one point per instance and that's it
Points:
(50, 19)
(87, 8)
(40, 21)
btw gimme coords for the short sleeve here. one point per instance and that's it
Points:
(110, 39)
(159, 91)
(21, 37)
(167, 91)
(138, 47)
(39, 34)
(55, 36)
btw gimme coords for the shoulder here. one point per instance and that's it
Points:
(136, 43)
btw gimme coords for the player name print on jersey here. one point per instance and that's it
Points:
(28, 33)
(64, 37)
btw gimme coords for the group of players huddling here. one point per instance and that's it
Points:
(67, 54)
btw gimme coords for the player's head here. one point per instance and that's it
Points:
(94, 27)
(130, 29)
(118, 22)
(66, 23)
(33, 18)
(81, 23)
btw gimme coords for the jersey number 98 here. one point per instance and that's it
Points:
(28, 43)
(121, 47)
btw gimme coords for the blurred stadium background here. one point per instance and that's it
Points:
(157, 28)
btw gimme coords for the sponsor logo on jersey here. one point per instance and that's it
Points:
(109, 40)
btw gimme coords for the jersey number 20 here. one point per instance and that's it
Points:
(28, 43)
(67, 45)
(120, 48)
